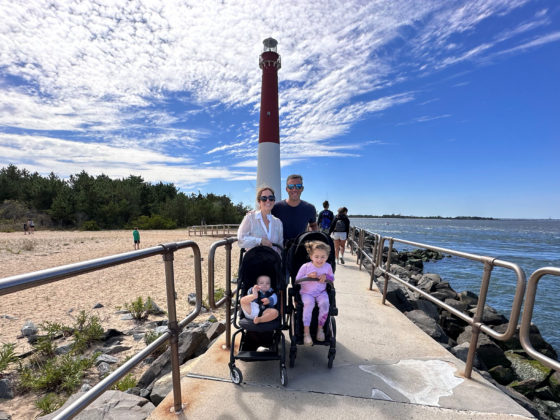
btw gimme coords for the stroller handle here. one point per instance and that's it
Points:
(310, 279)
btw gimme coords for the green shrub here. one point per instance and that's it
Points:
(138, 308)
(154, 221)
(46, 345)
(7, 356)
(63, 372)
(86, 330)
(91, 225)
(152, 336)
(125, 383)
(49, 403)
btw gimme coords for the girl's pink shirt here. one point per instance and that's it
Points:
(314, 288)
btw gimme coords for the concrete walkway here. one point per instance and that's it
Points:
(385, 368)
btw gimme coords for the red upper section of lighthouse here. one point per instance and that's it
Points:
(269, 124)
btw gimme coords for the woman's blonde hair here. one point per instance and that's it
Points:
(312, 246)
(260, 191)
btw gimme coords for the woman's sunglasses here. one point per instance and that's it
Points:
(296, 186)
(263, 198)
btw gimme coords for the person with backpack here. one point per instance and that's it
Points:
(340, 228)
(325, 218)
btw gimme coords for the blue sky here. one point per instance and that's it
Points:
(414, 107)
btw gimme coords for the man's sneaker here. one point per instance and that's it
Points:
(341, 260)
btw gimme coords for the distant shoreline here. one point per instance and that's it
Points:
(396, 216)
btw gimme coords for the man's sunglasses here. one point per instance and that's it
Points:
(263, 198)
(296, 186)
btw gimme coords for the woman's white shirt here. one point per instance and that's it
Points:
(253, 230)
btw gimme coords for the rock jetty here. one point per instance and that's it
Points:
(505, 364)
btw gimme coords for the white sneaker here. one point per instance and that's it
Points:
(341, 260)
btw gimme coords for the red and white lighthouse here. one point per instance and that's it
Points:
(268, 167)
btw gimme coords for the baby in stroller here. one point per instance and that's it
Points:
(315, 292)
(260, 301)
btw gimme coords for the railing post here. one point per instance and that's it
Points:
(173, 326)
(477, 319)
(373, 259)
(228, 295)
(351, 242)
(387, 269)
(362, 242)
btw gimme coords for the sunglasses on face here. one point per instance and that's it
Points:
(263, 198)
(296, 186)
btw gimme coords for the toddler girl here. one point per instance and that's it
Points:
(315, 291)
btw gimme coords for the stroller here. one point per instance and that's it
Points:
(256, 262)
(297, 257)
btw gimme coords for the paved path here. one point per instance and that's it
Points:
(385, 368)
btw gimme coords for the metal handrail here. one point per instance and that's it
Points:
(228, 293)
(528, 315)
(27, 281)
(476, 321)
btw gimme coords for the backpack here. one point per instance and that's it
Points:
(326, 220)
(340, 226)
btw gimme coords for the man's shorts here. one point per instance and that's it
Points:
(137, 242)
(341, 236)
(254, 311)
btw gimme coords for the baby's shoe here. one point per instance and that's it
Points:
(307, 340)
(320, 335)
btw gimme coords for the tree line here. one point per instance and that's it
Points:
(99, 202)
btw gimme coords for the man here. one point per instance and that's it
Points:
(325, 218)
(296, 214)
(136, 236)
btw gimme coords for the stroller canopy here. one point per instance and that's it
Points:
(262, 261)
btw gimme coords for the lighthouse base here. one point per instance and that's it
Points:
(268, 168)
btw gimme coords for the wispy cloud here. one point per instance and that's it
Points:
(424, 119)
(461, 84)
(429, 102)
(552, 37)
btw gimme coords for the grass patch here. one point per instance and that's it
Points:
(49, 403)
(152, 336)
(62, 373)
(46, 345)
(86, 330)
(125, 383)
(7, 356)
(138, 308)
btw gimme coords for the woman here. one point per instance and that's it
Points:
(261, 227)
(340, 227)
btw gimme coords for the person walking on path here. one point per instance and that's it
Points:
(261, 227)
(296, 214)
(25, 229)
(31, 226)
(136, 236)
(340, 227)
(325, 218)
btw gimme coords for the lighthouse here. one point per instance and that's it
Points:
(268, 166)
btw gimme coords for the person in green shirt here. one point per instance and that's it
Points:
(136, 236)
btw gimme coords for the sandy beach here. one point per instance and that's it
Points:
(113, 287)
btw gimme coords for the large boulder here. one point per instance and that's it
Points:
(467, 297)
(490, 354)
(433, 277)
(455, 304)
(452, 326)
(427, 307)
(550, 408)
(29, 328)
(396, 294)
(502, 375)
(426, 284)
(524, 387)
(490, 316)
(215, 330)
(428, 325)
(6, 390)
(537, 340)
(461, 352)
(528, 369)
(110, 405)
(554, 382)
(189, 340)
(164, 385)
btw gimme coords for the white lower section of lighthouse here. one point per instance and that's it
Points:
(268, 168)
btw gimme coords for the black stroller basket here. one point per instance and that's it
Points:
(297, 257)
(256, 262)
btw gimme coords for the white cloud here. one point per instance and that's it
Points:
(425, 119)
(555, 36)
(45, 154)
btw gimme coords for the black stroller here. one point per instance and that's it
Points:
(258, 261)
(298, 256)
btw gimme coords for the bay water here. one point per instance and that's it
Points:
(531, 244)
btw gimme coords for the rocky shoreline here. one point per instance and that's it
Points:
(505, 364)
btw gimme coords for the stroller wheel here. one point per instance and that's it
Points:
(292, 358)
(331, 359)
(236, 376)
(284, 376)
